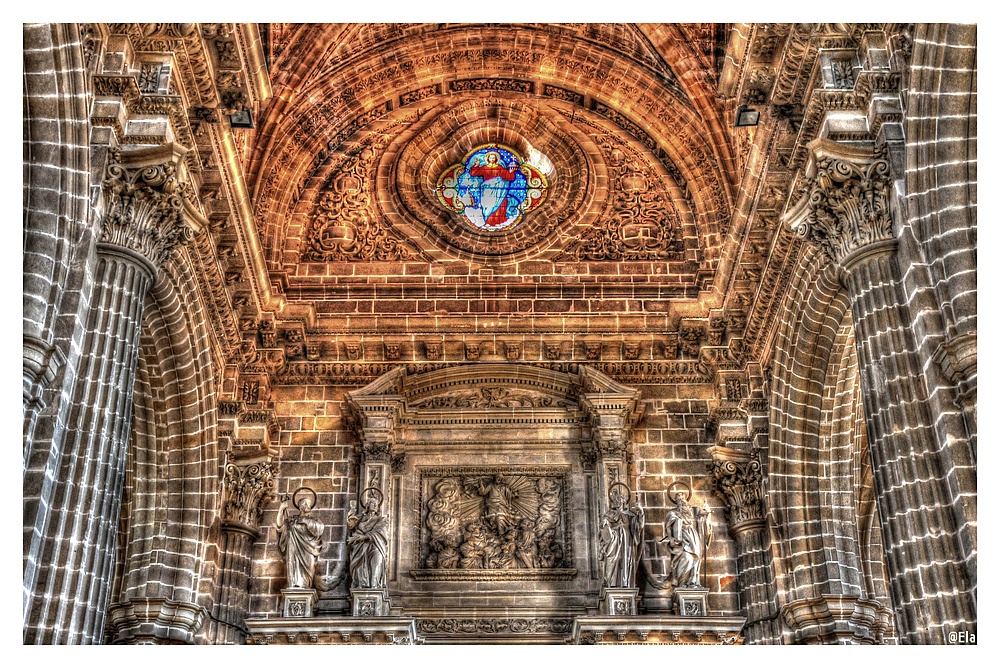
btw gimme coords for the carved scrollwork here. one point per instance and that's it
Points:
(493, 626)
(493, 397)
(248, 488)
(741, 485)
(640, 222)
(346, 226)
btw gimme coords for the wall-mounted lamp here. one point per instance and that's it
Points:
(747, 117)
(241, 119)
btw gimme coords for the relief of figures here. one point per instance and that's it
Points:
(496, 521)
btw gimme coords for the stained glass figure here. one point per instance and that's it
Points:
(492, 188)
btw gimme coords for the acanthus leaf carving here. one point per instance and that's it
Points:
(248, 488)
(846, 206)
(144, 210)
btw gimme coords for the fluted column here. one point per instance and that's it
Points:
(739, 481)
(249, 484)
(67, 580)
(846, 212)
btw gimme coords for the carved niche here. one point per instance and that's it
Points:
(494, 523)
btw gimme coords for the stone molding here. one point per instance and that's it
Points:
(41, 361)
(155, 621)
(835, 619)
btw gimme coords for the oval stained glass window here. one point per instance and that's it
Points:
(493, 188)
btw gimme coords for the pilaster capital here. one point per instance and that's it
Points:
(846, 206)
(145, 213)
(738, 478)
(249, 484)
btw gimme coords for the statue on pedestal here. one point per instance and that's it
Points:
(300, 538)
(368, 541)
(620, 539)
(687, 532)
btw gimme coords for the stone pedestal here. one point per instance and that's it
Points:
(298, 602)
(369, 603)
(691, 601)
(657, 630)
(618, 601)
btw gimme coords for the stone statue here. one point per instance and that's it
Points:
(620, 539)
(300, 539)
(498, 496)
(368, 541)
(687, 532)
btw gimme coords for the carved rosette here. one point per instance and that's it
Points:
(846, 205)
(248, 488)
(739, 482)
(144, 209)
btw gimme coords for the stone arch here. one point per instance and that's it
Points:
(816, 465)
(170, 530)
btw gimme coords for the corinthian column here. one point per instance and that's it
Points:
(249, 484)
(846, 212)
(739, 482)
(68, 574)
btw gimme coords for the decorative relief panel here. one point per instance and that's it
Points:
(640, 221)
(344, 225)
(494, 397)
(494, 524)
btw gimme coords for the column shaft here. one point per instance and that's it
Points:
(77, 557)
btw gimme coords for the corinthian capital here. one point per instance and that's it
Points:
(248, 487)
(846, 204)
(739, 482)
(144, 209)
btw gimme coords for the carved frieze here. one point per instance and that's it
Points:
(493, 397)
(494, 626)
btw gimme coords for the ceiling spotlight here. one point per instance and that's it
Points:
(241, 119)
(747, 117)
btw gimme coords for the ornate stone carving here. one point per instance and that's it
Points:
(494, 626)
(739, 482)
(248, 487)
(489, 520)
(144, 212)
(493, 397)
(846, 204)
(345, 225)
(640, 222)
